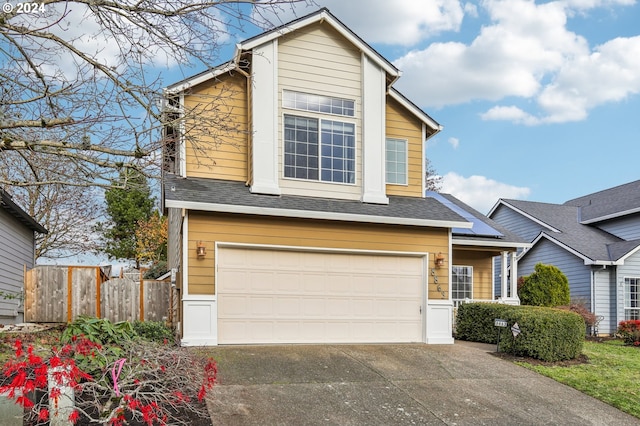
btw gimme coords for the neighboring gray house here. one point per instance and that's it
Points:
(594, 240)
(17, 251)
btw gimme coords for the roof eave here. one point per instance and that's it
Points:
(21, 215)
(416, 111)
(489, 243)
(610, 216)
(313, 214)
(184, 85)
(322, 15)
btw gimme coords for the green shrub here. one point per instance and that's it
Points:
(546, 286)
(155, 331)
(546, 334)
(98, 330)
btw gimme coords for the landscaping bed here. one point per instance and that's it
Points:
(133, 379)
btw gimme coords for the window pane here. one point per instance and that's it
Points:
(338, 162)
(461, 282)
(632, 298)
(301, 147)
(396, 161)
(318, 103)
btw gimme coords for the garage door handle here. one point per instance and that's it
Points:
(420, 309)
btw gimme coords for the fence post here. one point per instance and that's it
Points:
(98, 307)
(69, 294)
(141, 298)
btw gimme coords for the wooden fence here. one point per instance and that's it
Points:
(62, 293)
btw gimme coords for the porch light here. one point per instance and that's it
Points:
(201, 251)
(439, 261)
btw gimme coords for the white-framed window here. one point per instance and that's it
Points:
(396, 161)
(461, 282)
(632, 298)
(318, 103)
(319, 147)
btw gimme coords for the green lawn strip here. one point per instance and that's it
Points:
(612, 375)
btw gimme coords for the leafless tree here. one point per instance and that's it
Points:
(68, 212)
(433, 181)
(80, 81)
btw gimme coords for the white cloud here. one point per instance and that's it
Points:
(401, 22)
(526, 52)
(480, 192)
(454, 142)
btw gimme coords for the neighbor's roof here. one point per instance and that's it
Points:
(610, 203)
(7, 203)
(234, 197)
(563, 228)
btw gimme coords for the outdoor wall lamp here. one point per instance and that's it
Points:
(201, 251)
(439, 260)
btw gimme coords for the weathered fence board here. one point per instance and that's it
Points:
(120, 299)
(46, 293)
(61, 294)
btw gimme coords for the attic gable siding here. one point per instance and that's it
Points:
(401, 125)
(216, 135)
(522, 226)
(627, 228)
(16, 251)
(548, 253)
(318, 60)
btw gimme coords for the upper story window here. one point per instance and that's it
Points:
(318, 103)
(396, 161)
(316, 147)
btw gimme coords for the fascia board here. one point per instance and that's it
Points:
(337, 25)
(476, 243)
(421, 115)
(527, 215)
(200, 78)
(585, 259)
(626, 256)
(310, 214)
(610, 216)
(495, 207)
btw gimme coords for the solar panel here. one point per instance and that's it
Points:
(479, 228)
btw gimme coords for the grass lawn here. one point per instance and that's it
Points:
(612, 374)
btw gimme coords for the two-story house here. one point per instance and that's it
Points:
(594, 240)
(294, 183)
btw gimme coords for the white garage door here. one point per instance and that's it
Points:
(279, 296)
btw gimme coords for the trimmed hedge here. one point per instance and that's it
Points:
(547, 334)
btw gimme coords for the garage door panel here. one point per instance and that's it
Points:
(310, 297)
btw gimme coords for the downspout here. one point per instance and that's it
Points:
(236, 61)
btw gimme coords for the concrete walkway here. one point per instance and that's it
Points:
(412, 384)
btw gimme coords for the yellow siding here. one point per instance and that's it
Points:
(318, 60)
(401, 125)
(216, 129)
(481, 261)
(210, 228)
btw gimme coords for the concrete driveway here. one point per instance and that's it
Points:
(460, 384)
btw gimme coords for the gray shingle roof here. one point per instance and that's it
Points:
(229, 196)
(609, 203)
(589, 241)
(8, 204)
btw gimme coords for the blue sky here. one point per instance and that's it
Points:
(539, 100)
